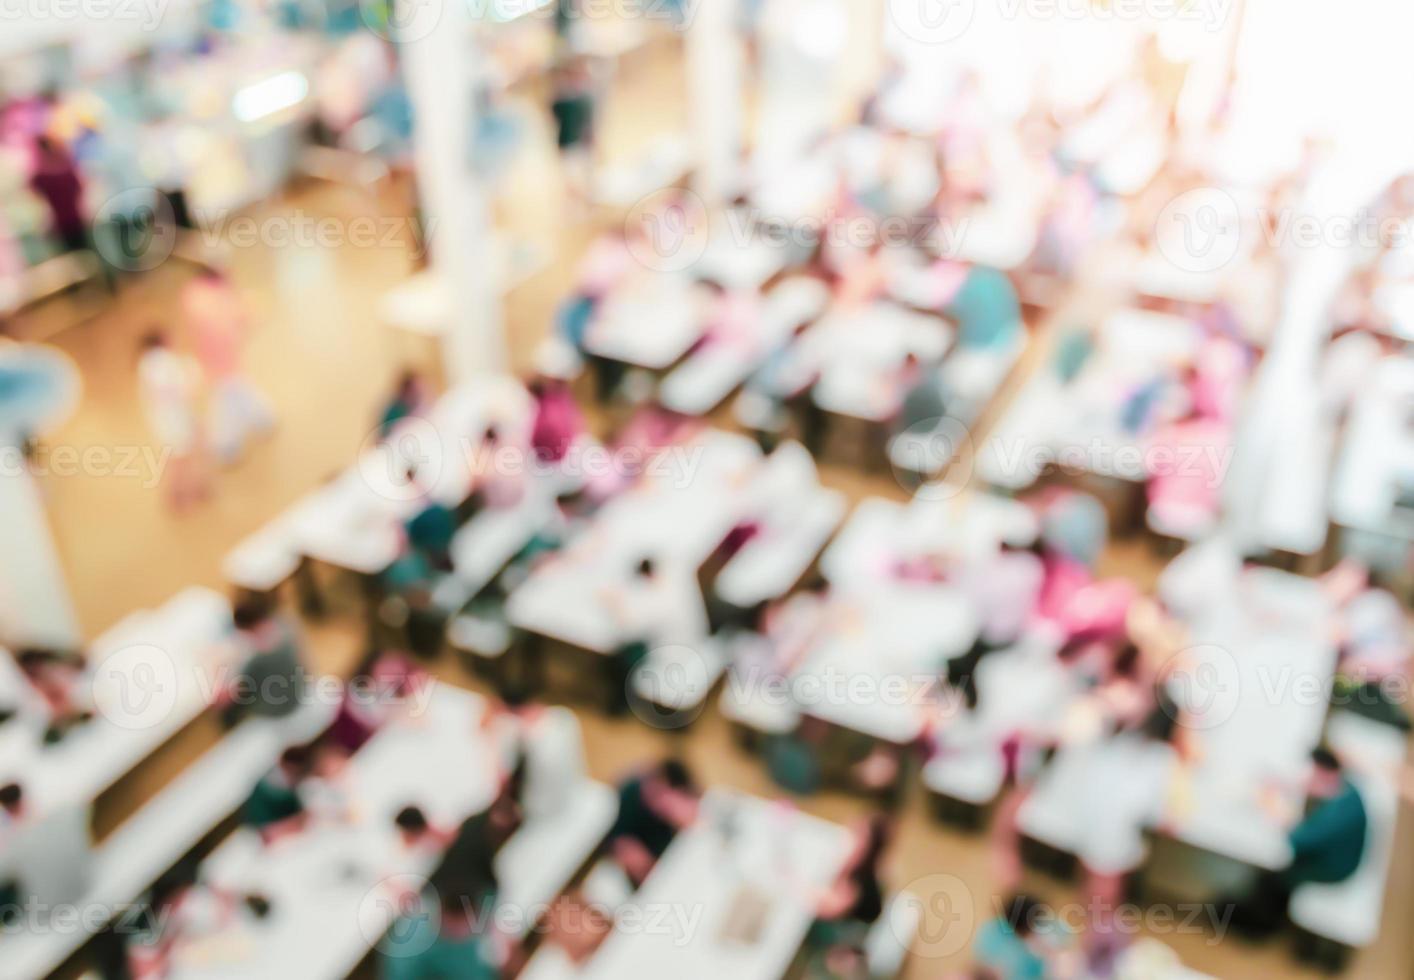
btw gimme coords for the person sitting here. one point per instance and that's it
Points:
(416, 833)
(925, 397)
(371, 697)
(498, 472)
(409, 398)
(653, 807)
(855, 900)
(1012, 946)
(1327, 844)
(272, 675)
(986, 309)
(468, 867)
(430, 532)
(548, 748)
(410, 602)
(13, 810)
(558, 423)
(56, 675)
(652, 608)
(46, 859)
(445, 942)
(275, 808)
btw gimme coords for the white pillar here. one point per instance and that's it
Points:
(714, 90)
(439, 61)
(35, 608)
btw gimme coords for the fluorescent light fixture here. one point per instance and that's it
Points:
(269, 96)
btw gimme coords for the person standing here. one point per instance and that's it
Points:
(168, 389)
(220, 322)
(573, 111)
(56, 179)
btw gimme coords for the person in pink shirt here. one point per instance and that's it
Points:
(558, 422)
(219, 321)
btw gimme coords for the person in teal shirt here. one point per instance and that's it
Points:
(986, 309)
(1012, 946)
(1327, 845)
(441, 939)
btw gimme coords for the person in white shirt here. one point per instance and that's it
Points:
(546, 744)
(652, 608)
(168, 388)
(44, 857)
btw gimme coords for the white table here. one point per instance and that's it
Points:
(355, 521)
(650, 322)
(326, 881)
(882, 657)
(1253, 660)
(150, 676)
(672, 517)
(783, 855)
(1078, 423)
(859, 351)
(708, 376)
(880, 532)
(167, 827)
(1021, 689)
(1349, 911)
(796, 517)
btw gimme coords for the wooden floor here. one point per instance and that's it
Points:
(326, 362)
